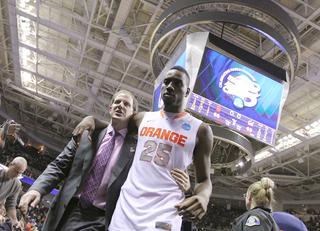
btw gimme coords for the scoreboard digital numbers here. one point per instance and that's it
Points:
(237, 96)
(232, 119)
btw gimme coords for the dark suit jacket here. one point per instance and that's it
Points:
(6, 226)
(73, 164)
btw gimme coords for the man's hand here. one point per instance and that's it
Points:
(13, 128)
(86, 124)
(19, 225)
(182, 179)
(31, 198)
(2, 219)
(192, 208)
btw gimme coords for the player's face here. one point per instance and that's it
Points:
(122, 108)
(174, 89)
(15, 171)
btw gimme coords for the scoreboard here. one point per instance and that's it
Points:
(230, 86)
(232, 119)
(237, 96)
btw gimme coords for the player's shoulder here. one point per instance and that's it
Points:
(142, 113)
(139, 116)
(205, 129)
(194, 120)
(205, 135)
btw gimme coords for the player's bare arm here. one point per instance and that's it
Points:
(195, 207)
(90, 123)
(135, 122)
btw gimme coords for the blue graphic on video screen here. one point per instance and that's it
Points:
(237, 96)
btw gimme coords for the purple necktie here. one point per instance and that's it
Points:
(93, 182)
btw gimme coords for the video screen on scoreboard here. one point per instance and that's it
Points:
(237, 96)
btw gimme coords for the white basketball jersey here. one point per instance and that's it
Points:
(147, 199)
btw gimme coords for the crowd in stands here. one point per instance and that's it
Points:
(314, 223)
(216, 218)
(36, 160)
(34, 157)
(36, 218)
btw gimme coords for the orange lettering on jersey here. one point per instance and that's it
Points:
(150, 131)
(165, 134)
(182, 140)
(143, 131)
(157, 133)
(174, 137)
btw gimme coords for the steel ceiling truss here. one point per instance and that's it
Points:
(62, 60)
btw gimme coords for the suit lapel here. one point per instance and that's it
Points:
(126, 153)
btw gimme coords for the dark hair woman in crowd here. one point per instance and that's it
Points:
(259, 199)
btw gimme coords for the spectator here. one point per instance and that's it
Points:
(8, 128)
(6, 225)
(259, 198)
(10, 188)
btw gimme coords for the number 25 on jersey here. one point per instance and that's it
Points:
(160, 154)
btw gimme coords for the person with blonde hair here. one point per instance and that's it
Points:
(259, 200)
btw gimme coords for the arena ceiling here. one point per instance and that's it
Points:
(62, 60)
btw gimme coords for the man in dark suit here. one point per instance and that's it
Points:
(67, 210)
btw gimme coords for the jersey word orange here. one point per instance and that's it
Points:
(164, 134)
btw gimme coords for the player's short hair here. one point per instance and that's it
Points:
(179, 68)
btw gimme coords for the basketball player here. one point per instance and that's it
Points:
(171, 138)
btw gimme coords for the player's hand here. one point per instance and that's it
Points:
(192, 208)
(86, 124)
(31, 198)
(182, 179)
(2, 219)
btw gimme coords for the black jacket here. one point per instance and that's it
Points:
(6, 226)
(256, 219)
(74, 163)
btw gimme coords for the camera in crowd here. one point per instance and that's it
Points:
(7, 121)
(15, 138)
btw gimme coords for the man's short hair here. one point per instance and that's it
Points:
(19, 160)
(179, 68)
(135, 101)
